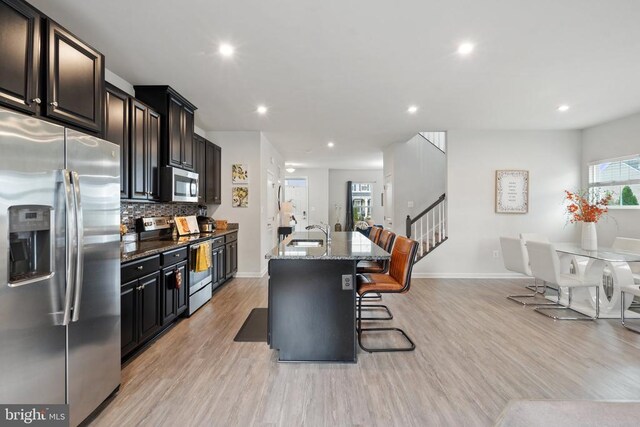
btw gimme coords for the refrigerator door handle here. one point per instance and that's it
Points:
(69, 246)
(80, 248)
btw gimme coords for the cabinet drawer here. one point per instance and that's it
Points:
(231, 237)
(139, 268)
(173, 257)
(217, 242)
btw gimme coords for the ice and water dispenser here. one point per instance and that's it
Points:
(30, 245)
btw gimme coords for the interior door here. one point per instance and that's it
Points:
(32, 337)
(296, 192)
(94, 333)
(388, 202)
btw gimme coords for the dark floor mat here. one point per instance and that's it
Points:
(254, 329)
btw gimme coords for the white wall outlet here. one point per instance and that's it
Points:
(410, 204)
(496, 254)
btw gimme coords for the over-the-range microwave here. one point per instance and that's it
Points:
(178, 185)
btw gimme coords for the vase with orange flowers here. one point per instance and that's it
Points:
(587, 207)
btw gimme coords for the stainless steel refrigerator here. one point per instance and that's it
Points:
(59, 266)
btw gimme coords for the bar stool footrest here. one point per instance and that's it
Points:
(411, 346)
(372, 307)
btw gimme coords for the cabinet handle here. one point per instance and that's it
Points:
(54, 104)
(140, 267)
(36, 100)
(177, 255)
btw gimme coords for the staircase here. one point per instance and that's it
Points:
(429, 227)
(437, 138)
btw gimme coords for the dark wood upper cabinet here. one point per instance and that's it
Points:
(217, 175)
(75, 80)
(116, 130)
(138, 150)
(187, 136)
(145, 132)
(213, 158)
(19, 56)
(155, 129)
(200, 153)
(176, 142)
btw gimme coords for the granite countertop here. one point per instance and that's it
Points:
(135, 250)
(343, 246)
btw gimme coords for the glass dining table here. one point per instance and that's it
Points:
(610, 267)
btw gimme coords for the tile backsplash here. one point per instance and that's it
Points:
(129, 211)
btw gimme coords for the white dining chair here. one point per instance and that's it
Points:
(516, 259)
(629, 245)
(633, 290)
(545, 265)
(534, 237)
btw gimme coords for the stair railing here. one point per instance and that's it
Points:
(429, 227)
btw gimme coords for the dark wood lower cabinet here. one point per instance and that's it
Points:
(149, 297)
(231, 259)
(174, 301)
(219, 265)
(139, 308)
(149, 294)
(129, 334)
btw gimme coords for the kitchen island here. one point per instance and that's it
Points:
(312, 295)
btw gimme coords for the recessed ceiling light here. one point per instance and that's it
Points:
(330, 144)
(290, 170)
(563, 108)
(261, 110)
(465, 48)
(226, 49)
(412, 109)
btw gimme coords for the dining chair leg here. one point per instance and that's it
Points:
(622, 310)
(516, 298)
(542, 310)
(361, 331)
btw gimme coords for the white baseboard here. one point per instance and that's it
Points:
(468, 276)
(251, 274)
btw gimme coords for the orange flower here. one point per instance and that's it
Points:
(580, 209)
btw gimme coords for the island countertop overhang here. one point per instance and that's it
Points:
(343, 246)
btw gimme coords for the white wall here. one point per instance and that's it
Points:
(271, 161)
(420, 179)
(613, 139)
(119, 82)
(241, 147)
(318, 189)
(553, 161)
(338, 191)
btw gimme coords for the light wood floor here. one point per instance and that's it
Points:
(475, 352)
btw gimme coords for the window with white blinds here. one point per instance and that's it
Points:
(620, 177)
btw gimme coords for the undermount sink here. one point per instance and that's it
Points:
(306, 243)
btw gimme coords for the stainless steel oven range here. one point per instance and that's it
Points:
(199, 282)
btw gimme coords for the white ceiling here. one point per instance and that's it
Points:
(346, 70)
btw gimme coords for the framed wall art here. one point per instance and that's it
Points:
(512, 191)
(240, 197)
(239, 174)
